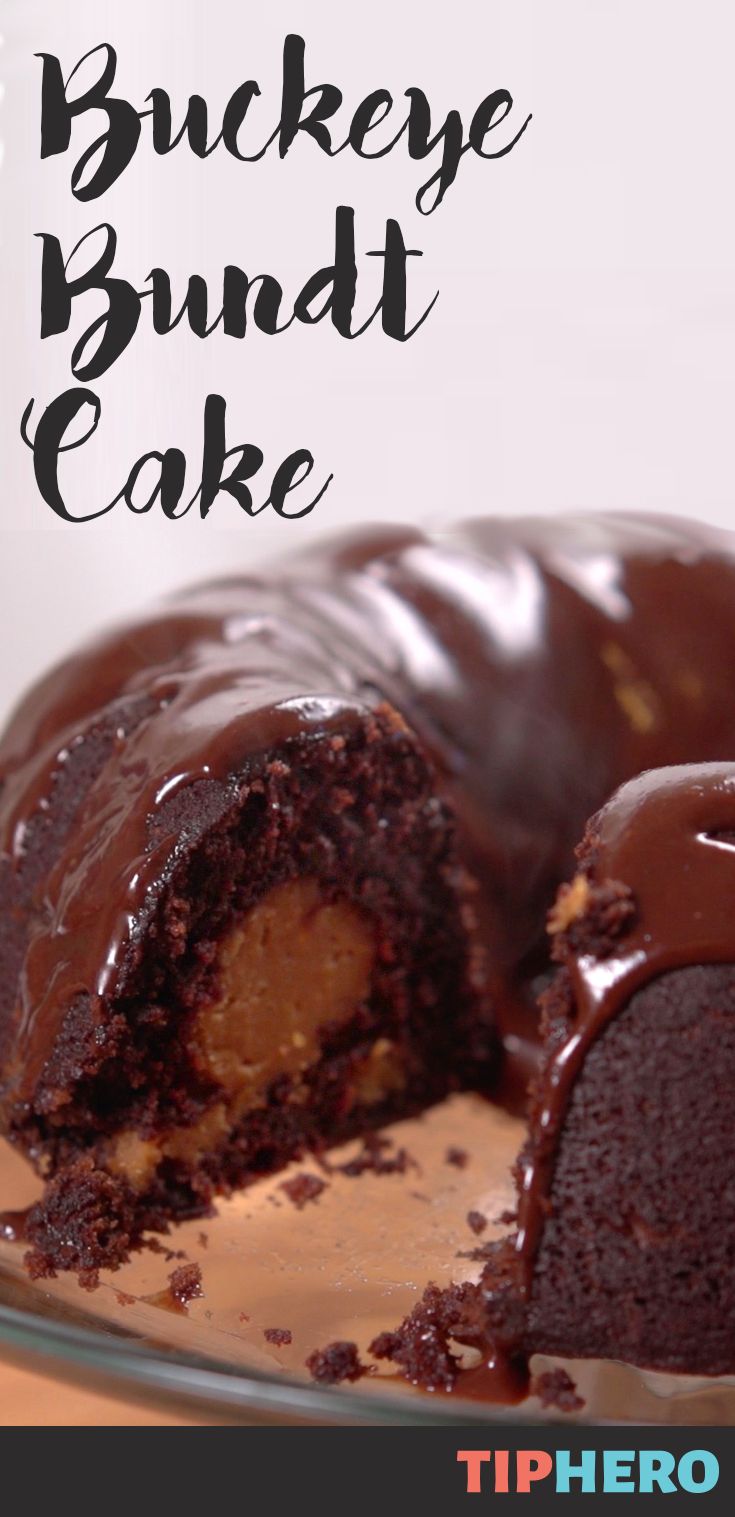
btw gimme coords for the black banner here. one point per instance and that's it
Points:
(372, 1471)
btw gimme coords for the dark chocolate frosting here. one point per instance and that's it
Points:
(540, 661)
(666, 841)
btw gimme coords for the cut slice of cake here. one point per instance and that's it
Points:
(625, 1241)
(234, 925)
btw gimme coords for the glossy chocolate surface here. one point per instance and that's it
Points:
(668, 836)
(541, 661)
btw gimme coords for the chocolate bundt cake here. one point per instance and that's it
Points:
(275, 861)
(625, 1245)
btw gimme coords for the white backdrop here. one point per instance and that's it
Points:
(582, 350)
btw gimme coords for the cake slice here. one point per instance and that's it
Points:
(234, 924)
(625, 1240)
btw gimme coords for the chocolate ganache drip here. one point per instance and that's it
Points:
(665, 844)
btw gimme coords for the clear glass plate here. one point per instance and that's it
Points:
(346, 1265)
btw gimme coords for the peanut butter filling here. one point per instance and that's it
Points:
(296, 964)
(571, 903)
(379, 1074)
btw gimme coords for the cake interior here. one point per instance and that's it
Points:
(290, 990)
(636, 1259)
(297, 963)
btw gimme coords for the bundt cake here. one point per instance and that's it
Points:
(275, 861)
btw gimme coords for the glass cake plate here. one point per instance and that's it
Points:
(346, 1265)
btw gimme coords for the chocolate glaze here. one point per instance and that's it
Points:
(13, 1225)
(668, 837)
(212, 704)
(540, 661)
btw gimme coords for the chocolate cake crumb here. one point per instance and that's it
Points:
(243, 1317)
(303, 1188)
(476, 1221)
(337, 1362)
(373, 1158)
(420, 1347)
(202, 1240)
(155, 1246)
(85, 1221)
(555, 1388)
(507, 1217)
(459, 1157)
(124, 1298)
(479, 1255)
(589, 918)
(185, 1283)
(279, 1336)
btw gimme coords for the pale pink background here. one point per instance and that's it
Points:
(581, 353)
